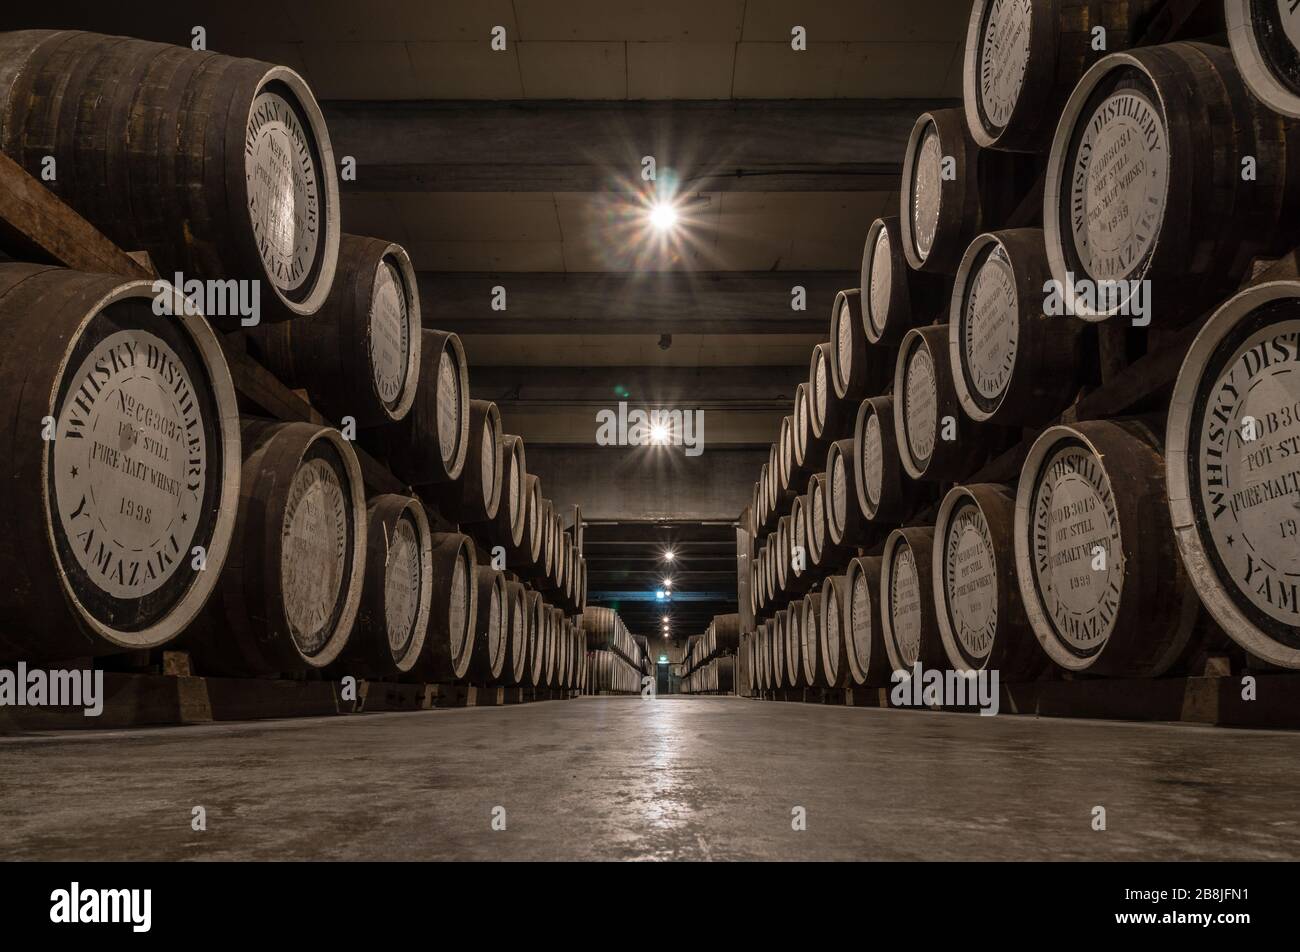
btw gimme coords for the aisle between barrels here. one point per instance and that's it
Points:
(673, 778)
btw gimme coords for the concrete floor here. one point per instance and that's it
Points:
(675, 778)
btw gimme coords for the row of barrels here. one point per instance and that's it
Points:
(608, 672)
(1126, 549)
(606, 631)
(718, 676)
(721, 637)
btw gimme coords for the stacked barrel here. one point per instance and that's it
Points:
(150, 507)
(710, 662)
(617, 661)
(975, 476)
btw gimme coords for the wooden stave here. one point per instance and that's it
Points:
(950, 460)
(1259, 68)
(875, 669)
(369, 644)
(64, 304)
(199, 204)
(981, 196)
(411, 446)
(328, 353)
(915, 297)
(1139, 491)
(244, 629)
(931, 655)
(1256, 219)
(1263, 636)
(1046, 381)
(1015, 653)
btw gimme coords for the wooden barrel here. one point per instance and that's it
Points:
(1265, 40)
(1146, 183)
(489, 646)
(359, 355)
(909, 626)
(782, 561)
(831, 631)
(515, 669)
(449, 648)
(429, 445)
(397, 592)
(885, 493)
(726, 632)
(290, 590)
(844, 519)
(140, 471)
(724, 675)
(822, 551)
(1095, 555)
(858, 369)
(981, 618)
(532, 552)
(794, 674)
(538, 618)
(827, 414)
(476, 496)
(799, 561)
(945, 205)
(1024, 57)
(864, 642)
(1234, 485)
(1014, 365)
(810, 635)
(805, 444)
(220, 168)
(894, 298)
(552, 648)
(927, 411)
(506, 527)
(780, 650)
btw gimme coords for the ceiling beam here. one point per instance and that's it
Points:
(737, 302)
(646, 386)
(565, 146)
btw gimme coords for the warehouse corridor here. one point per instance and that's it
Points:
(672, 778)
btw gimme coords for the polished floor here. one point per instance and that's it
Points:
(673, 778)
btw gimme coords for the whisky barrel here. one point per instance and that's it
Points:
(953, 190)
(429, 445)
(909, 626)
(449, 648)
(936, 440)
(1265, 40)
(1024, 57)
(476, 496)
(537, 622)
(1014, 365)
(220, 168)
(397, 591)
(982, 620)
(1234, 484)
(858, 368)
(1146, 182)
(506, 527)
(359, 355)
(885, 493)
(1099, 574)
(822, 551)
(546, 555)
(726, 632)
(514, 670)
(780, 665)
(489, 644)
(800, 558)
(805, 444)
(827, 414)
(794, 675)
(140, 471)
(844, 519)
(832, 648)
(810, 635)
(552, 648)
(868, 661)
(289, 592)
(784, 554)
(894, 298)
(532, 551)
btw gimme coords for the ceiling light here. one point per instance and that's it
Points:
(669, 555)
(663, 216)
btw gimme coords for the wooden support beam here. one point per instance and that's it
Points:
(564, 146)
